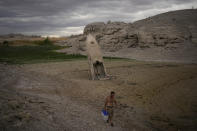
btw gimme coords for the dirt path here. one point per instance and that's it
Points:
(60, 96)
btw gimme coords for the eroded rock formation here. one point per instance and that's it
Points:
(164, 30)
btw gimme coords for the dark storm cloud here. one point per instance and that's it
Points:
(59, 17)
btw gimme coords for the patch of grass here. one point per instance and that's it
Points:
(38, 52)
(117, 58)
(34, 54)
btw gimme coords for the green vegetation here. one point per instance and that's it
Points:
(117, 59)
(114, 58)
(43, 52)
(5, 43)
(34, 54)
(46, 42)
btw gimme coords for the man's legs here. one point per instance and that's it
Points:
(110, 112)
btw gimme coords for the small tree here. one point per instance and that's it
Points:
(47, 41)
(5, 43)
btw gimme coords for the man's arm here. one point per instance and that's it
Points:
(115, 102)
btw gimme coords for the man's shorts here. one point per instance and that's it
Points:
(110, 111)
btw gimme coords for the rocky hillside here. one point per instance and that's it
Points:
(169, 31)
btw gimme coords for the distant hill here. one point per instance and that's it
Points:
(18, 36)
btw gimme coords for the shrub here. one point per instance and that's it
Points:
(46, 41)
(5, 43)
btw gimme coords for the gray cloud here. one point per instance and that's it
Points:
(65, 17)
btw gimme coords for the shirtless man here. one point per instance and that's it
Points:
(109, 104)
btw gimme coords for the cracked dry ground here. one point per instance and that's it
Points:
(60, 97)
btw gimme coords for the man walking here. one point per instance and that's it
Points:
(109, 105)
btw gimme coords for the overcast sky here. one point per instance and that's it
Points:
(66, 17)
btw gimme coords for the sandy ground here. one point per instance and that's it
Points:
(184, 54)
(60, 97)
